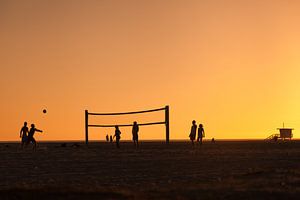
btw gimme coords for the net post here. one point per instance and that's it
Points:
(86, 127)
(167, 124)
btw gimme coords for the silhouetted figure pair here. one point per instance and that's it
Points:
(118, 136)
(201, 132)
(26, 139)
(135, 136)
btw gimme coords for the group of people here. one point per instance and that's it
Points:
(109, 138)
(135, 136)
(201, 133)
(26, 135)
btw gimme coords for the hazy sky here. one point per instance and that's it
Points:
(232, 65)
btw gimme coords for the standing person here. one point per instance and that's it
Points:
(30, 135)
(107, 140)
(110, 139)
(135, 136)
(201, 133)
(118, 136)
(23, 134)
(193, 131)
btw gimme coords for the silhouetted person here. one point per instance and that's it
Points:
(193, 132)
(23, 134)
(107, 140)
(213, 140)
(135, 136)
(201, 133)
(110, 139)
(118, 136)
(31, 134)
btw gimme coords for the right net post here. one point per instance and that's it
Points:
(86, 127)
(167, 124)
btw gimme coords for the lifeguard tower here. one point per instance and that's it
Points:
(284, 133)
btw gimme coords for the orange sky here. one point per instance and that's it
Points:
(232, 65)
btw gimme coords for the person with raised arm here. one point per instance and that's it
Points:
(31, 134)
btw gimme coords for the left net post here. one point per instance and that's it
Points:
(86, 127)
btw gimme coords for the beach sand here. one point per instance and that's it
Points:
(221, 170)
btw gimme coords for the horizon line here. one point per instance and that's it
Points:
(151, 140)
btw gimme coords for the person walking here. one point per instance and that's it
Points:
(193, 132)
(135, 136)
(201, 134)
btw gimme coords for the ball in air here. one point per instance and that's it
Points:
(44, 111)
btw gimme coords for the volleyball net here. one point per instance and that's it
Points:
(166, 122)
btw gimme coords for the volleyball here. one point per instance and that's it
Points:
(44, 111)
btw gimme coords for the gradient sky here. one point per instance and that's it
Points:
(232, 65)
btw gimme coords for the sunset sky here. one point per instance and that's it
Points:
(233, 65)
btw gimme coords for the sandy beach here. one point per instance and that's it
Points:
(221, 170)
